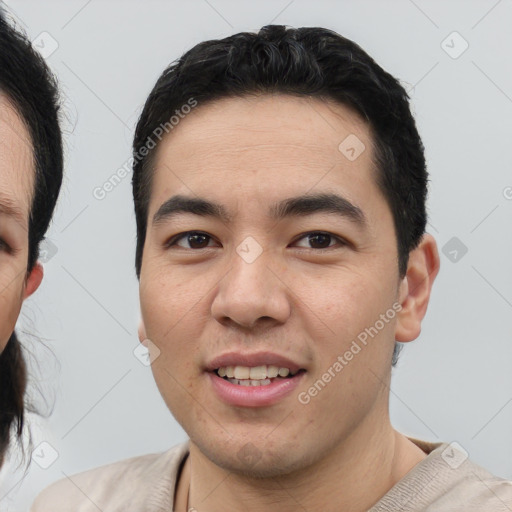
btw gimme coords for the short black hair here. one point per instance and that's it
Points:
(308, 61)
(32, 89)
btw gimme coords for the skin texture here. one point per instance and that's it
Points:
(338, 452)
(16, 185)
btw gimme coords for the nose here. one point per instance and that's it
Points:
(251, 293)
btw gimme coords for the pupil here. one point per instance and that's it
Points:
(193, 239)
(322, 237)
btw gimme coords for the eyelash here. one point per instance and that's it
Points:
(178, 237)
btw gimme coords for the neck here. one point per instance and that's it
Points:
(352, 478)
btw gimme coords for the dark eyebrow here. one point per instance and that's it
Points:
(291, 207)
(197, 206)
(318, 203)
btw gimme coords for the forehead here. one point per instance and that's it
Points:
(16, 161)
(265, 147)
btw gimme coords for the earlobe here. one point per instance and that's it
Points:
(142, 331)
(415, 289)
(33, 280)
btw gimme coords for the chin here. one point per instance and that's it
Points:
(258, 460)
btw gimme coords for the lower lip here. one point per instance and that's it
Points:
(254, 396)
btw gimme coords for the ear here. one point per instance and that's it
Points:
(33, 280)
(415, 289)
(142, 332)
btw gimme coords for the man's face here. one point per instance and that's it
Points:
(16, 182)
(301, 286)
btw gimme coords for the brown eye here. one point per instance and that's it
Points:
(321, 240)
(198, 241)
(194, 239)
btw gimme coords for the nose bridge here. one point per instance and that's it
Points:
(250, 290)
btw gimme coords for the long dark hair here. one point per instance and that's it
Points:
(13, 382)
(32, 89)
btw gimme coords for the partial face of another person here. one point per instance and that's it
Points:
(273, 275)
(16, 190)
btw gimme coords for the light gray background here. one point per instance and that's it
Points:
(452, 384)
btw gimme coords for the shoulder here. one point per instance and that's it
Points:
(475, 489)
(447, 481)
(141, 483)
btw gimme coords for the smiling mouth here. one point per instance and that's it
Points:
(262, 375)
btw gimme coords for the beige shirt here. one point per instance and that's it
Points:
(444, 481)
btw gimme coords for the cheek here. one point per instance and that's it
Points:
(356, 332)
(170, 310)
(10, 306)
(165, 303)
(346, 302)
(174, 314)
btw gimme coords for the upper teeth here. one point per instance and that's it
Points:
(254, 373)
